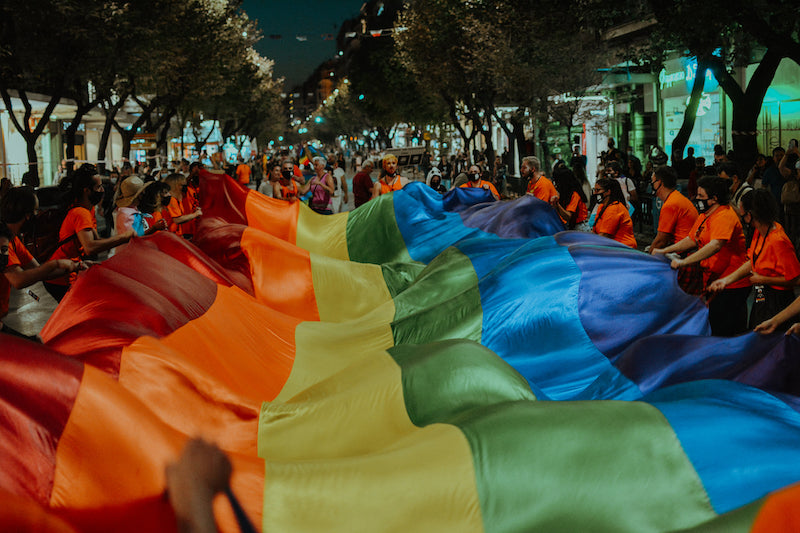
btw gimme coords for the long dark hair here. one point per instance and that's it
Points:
(149, 200)
(612, 185)
(567, 183)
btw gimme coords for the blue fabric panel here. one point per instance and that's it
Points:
(427, 228)
(529, 300)
(526, 217)
(767, 362)
(626, 295)
(743, 442)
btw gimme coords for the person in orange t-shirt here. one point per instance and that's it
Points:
(674, 223)
(243, 172)
(772, 264)
(78, 233)
(475, 181)
(390, 179)
(571, 201)
(718, 238)
(538, 185)
(18, 267)
(613, 220)
(176, 208)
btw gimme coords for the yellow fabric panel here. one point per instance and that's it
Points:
(346, 290)
(326, 348)
(372, 467)
(322, 234)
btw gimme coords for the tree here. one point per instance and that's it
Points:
(42, 45)
(382, 88)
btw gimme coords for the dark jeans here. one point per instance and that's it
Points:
(56, 291)
(727, 312)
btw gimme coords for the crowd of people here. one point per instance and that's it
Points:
(728, 233)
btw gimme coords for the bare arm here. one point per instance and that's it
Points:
(714, 246)
(20, 277)
(92, 245)
(661, 240)
(684, 245)
(733, 277)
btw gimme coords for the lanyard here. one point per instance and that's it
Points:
(763, 243)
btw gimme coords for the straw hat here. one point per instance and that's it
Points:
(129, 190)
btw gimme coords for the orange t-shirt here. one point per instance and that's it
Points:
(677, 216)
(722, 224)
(774, 256)
(78, 219)
(614, 220)
(396, 185)
(577, 206)
(189, 204)
(243, 174)
(289, 191)
(175, 210)
(543, 189)
(18, 255)
(480, 185)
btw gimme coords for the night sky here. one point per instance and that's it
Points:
(296, 60)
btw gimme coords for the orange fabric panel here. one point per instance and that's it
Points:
(259, 350)
(281, 274)
(113, 452)
(24, 515)
(272, 216)
(780, 512)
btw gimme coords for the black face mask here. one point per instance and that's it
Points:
(599, 198)
(474, 177)
(702, 205)
(3, 263)
(287, 174)
(194, 181)
(165, 200)
(95, 197)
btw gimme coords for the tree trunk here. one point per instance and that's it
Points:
(111, 113)
(747, 104)
(30, 136)
(690, 116)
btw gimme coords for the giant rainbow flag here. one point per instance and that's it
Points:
(423, 363)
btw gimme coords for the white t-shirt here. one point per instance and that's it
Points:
(626, 184)
(338, 173)
(266, 188)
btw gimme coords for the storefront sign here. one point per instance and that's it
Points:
(678, 75)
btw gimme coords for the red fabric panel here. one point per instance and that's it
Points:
(39, 389)
(221, 197)
(222, 243)
(140, 291)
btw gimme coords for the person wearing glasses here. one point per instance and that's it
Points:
(677, 217)
(772, 266)
(612, 220)
(719, 245)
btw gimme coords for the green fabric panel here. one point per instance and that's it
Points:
(443, 303)
(444, 379)
(399, 276)
(373, 235)
(737, 521)
(581, 466)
